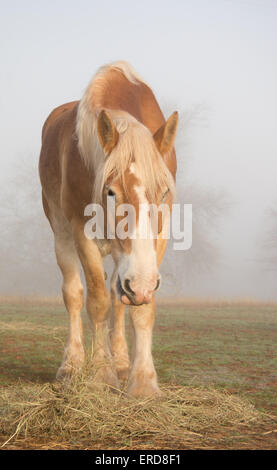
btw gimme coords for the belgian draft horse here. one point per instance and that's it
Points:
(114, 143)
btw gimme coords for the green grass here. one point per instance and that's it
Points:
(231, 346)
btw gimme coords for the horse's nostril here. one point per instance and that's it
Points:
(127, 286)
(158, 284)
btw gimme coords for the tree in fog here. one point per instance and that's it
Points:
(182, 268)
(269, 243)
(27, 251)
(209, 207)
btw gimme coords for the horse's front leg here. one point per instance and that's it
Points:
(98, 304)
(143, 377)
(72, 289)
(118, 339)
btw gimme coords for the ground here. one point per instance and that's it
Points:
(231, 346)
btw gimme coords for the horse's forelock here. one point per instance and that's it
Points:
(135, 145)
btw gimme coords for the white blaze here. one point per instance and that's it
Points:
(140, 266)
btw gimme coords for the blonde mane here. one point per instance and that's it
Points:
(135, 142)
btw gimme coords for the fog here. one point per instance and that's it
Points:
(214, 62)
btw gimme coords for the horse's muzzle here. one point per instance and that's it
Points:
(130, 297)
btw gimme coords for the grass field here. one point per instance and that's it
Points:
(228, 346)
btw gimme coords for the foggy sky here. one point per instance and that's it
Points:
(220, 54)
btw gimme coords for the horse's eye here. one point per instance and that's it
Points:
(111, 193)
(165, 193)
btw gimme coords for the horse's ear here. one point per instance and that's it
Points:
(107, 132)
(165, 135)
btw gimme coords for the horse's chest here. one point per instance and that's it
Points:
(103, 246)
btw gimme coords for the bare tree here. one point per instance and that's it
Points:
(209, 207)
(181, 268)
(269, 242)
(27, 257)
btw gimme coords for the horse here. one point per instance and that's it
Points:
(112, 144)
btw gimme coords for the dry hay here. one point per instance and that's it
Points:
(82, 415)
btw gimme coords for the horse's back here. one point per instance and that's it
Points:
(115, 91)
(56, 136)
(61, 110)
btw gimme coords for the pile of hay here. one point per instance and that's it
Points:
(79, 415)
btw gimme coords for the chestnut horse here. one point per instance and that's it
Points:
(113, 143)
